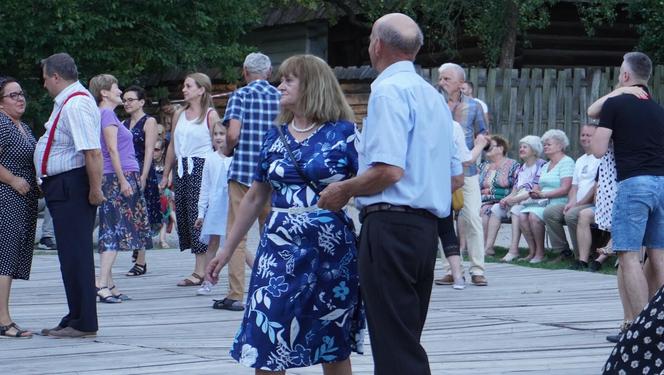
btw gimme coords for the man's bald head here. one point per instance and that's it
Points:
(399, 32)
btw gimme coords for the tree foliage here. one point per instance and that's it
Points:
(649, 20)
(497, 23)
(132, 40)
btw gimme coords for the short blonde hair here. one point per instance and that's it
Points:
(101, 82)
(321, 98)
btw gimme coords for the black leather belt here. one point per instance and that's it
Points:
(376, 207)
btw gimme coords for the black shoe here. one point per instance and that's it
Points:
(227, 304)
(595, 266)
(579, 265)
(47, 243)
(567, 254)
(621, 331)
(613, 338)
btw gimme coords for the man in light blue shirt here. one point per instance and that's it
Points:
(406, 162)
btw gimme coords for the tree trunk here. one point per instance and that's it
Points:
(508, 47)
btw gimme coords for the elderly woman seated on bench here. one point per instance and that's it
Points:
(497, 177)
(552, 189)
(509, 207)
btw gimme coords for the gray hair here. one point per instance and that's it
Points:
(456, 67)
(62, 64)
(639, 64)
(557, 135)
(534, 142)
(392, 37)
(257, 63)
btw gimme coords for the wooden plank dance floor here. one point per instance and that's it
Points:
(527, 321)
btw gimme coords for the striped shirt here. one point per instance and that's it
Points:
(78, 129)
(255, 106)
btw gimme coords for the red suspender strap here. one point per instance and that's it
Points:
(51, 133)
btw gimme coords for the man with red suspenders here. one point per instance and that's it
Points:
(68, 159)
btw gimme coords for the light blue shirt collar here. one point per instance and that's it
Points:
(397, 67)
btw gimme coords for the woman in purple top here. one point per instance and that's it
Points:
(123, 222)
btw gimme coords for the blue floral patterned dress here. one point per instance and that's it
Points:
(303, 305)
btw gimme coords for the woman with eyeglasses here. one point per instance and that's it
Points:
(18, 199)
(144, 132)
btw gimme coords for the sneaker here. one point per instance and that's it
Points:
(459, 284)
(205, 289)
(46, 243)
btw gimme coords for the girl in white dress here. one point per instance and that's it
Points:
(213, 200)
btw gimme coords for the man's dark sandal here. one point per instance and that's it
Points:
(226, 304)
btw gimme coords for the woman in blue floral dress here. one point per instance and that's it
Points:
(303, 305)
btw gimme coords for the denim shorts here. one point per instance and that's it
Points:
(638, 214)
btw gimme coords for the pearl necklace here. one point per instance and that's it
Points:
(302, 130)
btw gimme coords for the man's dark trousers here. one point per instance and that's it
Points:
(73, 220)
(396, 261)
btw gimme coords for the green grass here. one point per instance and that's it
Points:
(549, 261)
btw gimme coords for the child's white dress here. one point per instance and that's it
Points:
(213, 198)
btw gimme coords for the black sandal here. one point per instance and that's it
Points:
(121, 297)
(134, 256)
(227, 304)
(138, 270)
(19, 332)
(107, 299)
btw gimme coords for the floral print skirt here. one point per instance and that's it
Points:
(303, 305)
(123, 221)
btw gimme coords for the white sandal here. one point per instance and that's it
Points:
(509, 257)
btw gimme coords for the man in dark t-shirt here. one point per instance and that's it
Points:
(636, 126)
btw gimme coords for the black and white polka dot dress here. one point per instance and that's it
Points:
(187, 190)
(607, 187)
(18, 213)
(641, 349)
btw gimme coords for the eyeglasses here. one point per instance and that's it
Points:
(130, 100)
(15, 95)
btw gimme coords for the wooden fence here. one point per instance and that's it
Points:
(531, 101)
